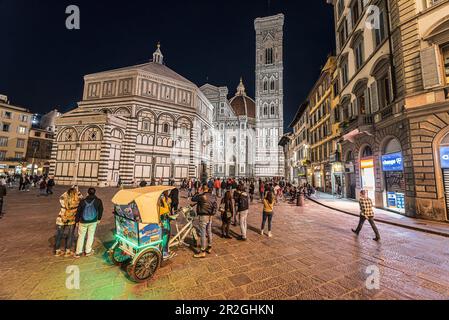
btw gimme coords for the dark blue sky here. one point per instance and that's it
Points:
(42, 64)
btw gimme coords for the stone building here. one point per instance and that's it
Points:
(15, 125)
(392, 61)
(136, 123)
(299, 163)
(322, 138)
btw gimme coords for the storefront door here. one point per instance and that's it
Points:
(368, 181)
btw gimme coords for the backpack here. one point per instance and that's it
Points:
(90, 212)
(243, 203)
(213, 206)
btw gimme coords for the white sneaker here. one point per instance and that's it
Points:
(270, 235)
(261, 232)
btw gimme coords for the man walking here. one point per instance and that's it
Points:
(89, 214)
(207, 206)
(366, 213)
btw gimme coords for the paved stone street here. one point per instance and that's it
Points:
(313, 255)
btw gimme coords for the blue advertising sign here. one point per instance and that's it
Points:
(392, 162)
(444, 157)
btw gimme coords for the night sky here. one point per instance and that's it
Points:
(42, 64)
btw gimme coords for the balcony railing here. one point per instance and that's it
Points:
(364, 123)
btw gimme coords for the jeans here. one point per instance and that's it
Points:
(1, 206)
(190, 193)
(243, 222)
(371, 222)
(49, 190)
(206, 232)
(266, 216)
(83, 229)
(60, 232)
(166, 234)
(236, 216)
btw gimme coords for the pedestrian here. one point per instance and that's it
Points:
(243, 210)
(66, 221)
(268, 210)
(174, 196)
(217, 187)
(252, 190)
(88, 216)
(165, 204)
(261, 190)
(143, 184)
(366, 213)
(235, 196)
(22, 183)
(50, 185)
(227, 212)
(2, 195)
(189, 188)
(206, 207)
(43, 187)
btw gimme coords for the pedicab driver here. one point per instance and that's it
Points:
(164, 210)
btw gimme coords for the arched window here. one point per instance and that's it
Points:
(269, 56)
(272, 85)
(273, 110)
(265, 110)
(367, 152)
(165, 128)
(265, 85)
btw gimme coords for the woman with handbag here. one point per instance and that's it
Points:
(227, 212)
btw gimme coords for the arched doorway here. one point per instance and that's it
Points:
(350, 185)
(367, 177)
(393, 175)
(444, 164)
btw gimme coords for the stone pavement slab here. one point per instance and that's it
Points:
(313, 255)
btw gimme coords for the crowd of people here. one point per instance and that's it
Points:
(230, 198)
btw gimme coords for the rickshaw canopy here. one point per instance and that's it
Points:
(146, 199)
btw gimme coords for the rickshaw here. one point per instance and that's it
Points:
(139, 231)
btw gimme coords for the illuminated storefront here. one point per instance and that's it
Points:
(317, 177)
(444, 163)
(368, 180)
(393, 169)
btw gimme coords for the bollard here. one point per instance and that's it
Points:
(300, 200)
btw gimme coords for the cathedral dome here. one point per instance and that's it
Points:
(242, 104)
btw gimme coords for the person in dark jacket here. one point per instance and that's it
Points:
(174, 196)
(226, 211)
(206, 207)
(50, 185)
(88, 216)
(2, 195)
(242, 201)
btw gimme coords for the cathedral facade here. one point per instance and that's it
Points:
(147, 122)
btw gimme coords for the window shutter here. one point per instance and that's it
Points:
(355, 107)
(374, 98)
(367, 101)
(429, 67)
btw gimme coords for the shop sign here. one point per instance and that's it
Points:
(349, 167)
(337, 167)
(367, 163)
(392, 162)
(444, 157)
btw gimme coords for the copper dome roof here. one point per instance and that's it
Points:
(242, 104)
